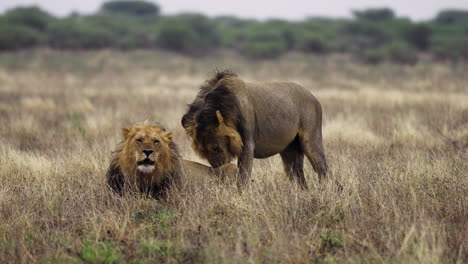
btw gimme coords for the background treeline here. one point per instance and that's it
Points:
(372, 35)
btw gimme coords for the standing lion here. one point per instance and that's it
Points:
(148, 161)
(231, 118)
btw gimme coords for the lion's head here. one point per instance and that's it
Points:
(218, 142)
(214, 121)
(147, 157)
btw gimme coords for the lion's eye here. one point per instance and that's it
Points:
(139, 140)
(156, 141)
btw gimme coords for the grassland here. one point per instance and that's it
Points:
(396, 138)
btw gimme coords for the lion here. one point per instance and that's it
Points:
(148, 161)
(230, 118)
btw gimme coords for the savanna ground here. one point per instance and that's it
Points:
(396, 138)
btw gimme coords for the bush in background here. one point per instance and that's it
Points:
(397, 52)
(31, 17)
(132, 7)
(78, 34)
(188, 33)
(374, 35)
(15, 37)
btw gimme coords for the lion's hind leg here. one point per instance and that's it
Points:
(313, 149)
(293, 161)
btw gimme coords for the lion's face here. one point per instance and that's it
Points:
(214, 147)
(145, 144)
(218, 143)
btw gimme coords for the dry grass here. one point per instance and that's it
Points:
(396, 138)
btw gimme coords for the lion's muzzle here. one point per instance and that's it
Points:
(147, 165)
(146, 162)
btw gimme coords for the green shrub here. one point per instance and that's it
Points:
(31, 17)
(130, 7)
(76, 34)
(313, 42)
(453, 47)
(263, 43)
(362, 35)
(419, 35)
(373, 56)
(449, 17)
(135, 41)
(176, 37)
(126, 32)
(14, 37)
(189, 33)
(375, 14)
(263, 49)
(401, 52)
(397, 52)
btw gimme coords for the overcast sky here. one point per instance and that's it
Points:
(261, 9)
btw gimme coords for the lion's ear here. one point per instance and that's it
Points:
(169, 136)
(126, 131)
(220, 117)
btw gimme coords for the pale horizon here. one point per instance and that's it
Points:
(290, 10)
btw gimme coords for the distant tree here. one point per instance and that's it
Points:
(77, 34)
(313, 42)
(375, 14)
(176, 37)
(451, 47)
(31, 17)
(14, 37)
(419, 35)
(264, 44)
(192, 34)
(365, 34)
(130, 7)
(448, 17)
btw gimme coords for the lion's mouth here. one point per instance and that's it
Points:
(146, 161)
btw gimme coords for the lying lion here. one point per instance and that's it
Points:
(231, 118)
(148, 161)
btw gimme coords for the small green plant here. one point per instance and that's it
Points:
(330, 240)
(158, 249)
(76, 122)
(100, 252)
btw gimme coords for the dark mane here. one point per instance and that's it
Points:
(211, 82)
(117, 181)
(210, 98)
(225, 101)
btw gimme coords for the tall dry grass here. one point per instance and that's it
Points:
(396, 139)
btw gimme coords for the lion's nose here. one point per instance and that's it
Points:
(148, 151)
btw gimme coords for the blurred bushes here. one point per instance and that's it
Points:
(78, 34)
(396, 52)
(31, 17)
(372, 36)
(15, 37)
(189, 34)
(134, 8)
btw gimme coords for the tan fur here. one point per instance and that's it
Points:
(231, 118)
(168, 170)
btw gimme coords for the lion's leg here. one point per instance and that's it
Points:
(293, 161)
(313, 149)
(244, 163)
